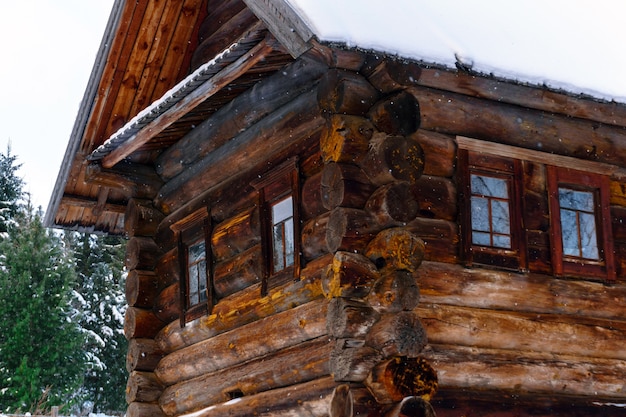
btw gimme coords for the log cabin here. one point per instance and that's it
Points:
(320, 230)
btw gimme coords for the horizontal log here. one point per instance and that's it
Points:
(239, 272)
(389, 75)
(142, 387)
(437, 197)
(393, 204)
(141, 323)
(167, 304)
(394, 291)
(524, 374)
(139, 409)
(393, 158)
(349, 275)
(457, 114)
(351, 360)
(345, 138)
(344, 185)
(241, 113)
(350, 229)
(396, 248)
(309, 399)
(141, 218)
(341, 91)
(439, 152)
(143, 355)
(313, 236)
(311, 198)
(394, 379)
(298, 120)
(236, 234)
(141, 253)
(442, 283)
(242, 308)
(287, 329)
(141, 288)
(350, 319)
(397, 334)
(295, 365)
(441, 238)
(396, 114)
(557, 334)
(136, 180)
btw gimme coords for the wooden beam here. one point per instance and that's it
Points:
(77, 201)
(140, 181)
(195, 98)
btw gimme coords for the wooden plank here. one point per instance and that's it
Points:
(197, 96)
(82, 202)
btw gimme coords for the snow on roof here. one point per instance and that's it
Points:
(571, 45)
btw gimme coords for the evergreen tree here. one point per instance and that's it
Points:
(40, 346)
(100, 292)
(10, 188)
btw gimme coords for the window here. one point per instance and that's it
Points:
(580, 223)
(196, 289)
(491, 211)
(278, 199)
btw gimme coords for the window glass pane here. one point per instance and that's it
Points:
(489, 186)
(578, 224)
(196, 273)
(490, 212)
(283, 234)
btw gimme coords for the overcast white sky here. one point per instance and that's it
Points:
(48, 49)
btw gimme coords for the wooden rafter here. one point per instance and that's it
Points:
(196, 97)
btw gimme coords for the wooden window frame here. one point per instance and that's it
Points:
(509, 169)
(562, 177)
(189, 231)
(274, 186)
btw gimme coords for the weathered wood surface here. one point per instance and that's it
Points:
(167, 268)
(537, 374)
(349, 275)
(236, 234)
(142, 387)
(141, 218)
(394, 291)
(244, 307)
(555, 333)
(349, 319)
(345, 92)
(448, 284)
(299, 364)
(393, 158)
(243, 112)
(389, 75)
(308, 399)
(350, 229)
(136, 180)
(399, 377)
(524, 96)
(238, 272)
(437, 197)
(143, 355)
(141, 253)
(141, 288)
(344, 185)
(457, 114)
(441, 238)
(393, 204)
(345, 138)
(297, 120)
(139, 409)
(396, 248)
(167, 304)
(311, 197)
(341, 402)
(397, 114)
(287, 329)
(351, 360)
(140, 323)
(439, 153)
(313, 236)
(397, 334)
